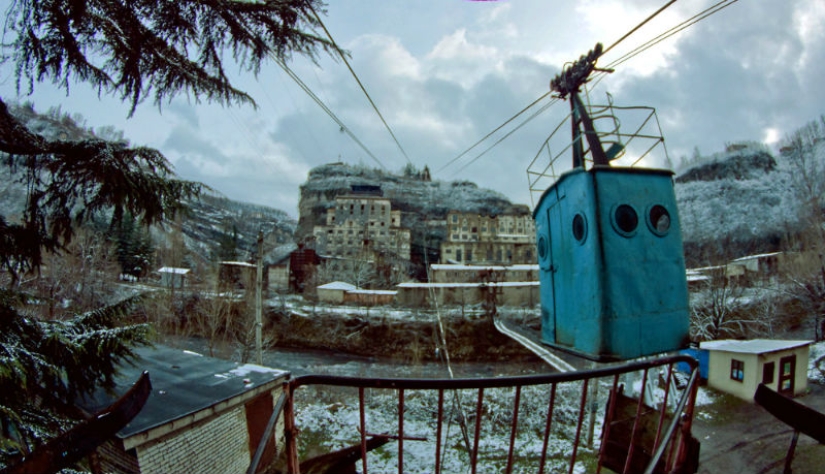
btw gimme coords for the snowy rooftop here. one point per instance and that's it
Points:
(372, 292)
(753, 346)
(175, 270)
(239, 264)
(468, 285)
(459, 267)
(183, 383)
(756, 257)
(338, 285)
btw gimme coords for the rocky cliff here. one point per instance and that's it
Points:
(419, 199)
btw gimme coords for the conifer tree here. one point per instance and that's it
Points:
(135, 50)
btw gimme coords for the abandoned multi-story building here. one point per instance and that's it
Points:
(502, 239)
(363, 225)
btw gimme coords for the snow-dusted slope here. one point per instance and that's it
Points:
(737, 202)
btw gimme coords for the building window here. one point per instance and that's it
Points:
(469, 255)
(737, 370)
(767, 372)
(458, 255)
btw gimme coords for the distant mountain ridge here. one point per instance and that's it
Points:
(733, 203)
(207, 223)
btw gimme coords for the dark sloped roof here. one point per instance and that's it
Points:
(183, 382)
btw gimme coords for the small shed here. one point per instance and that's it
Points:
(203, 415)
(237, 274)
(370, 297)
(334, 292)
(279, 273)
(416, 294)
(738, 367)
(173, 277)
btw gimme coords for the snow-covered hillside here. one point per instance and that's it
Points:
(207, 221)
(739, 201)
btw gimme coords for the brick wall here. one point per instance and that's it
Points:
(219, 445)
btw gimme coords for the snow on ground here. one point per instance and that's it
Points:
(333, 417)
(815, 370)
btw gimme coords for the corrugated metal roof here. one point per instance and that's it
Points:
(753, 346)
(183, 382)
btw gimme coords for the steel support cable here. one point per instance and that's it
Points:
(295, 104)
(507, 135)
(671, 2)
(326, 109)
(363, 89)
(600, 75)
(442, 339)
(717, 7)
(525, 109)
(676, 29)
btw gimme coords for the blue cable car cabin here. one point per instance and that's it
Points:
(612, 269)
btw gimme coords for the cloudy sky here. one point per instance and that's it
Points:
(444, 73)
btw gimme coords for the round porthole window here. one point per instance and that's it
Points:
(658, 219)
(542, 245)
(579, 228)
(625, 219)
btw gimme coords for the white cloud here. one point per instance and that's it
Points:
(388, 54)
(444, 74)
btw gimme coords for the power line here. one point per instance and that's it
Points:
(601, 72)
(326, 109)
(664, 7)
(717, 7)
(363, 89)
(507, 135)
(525, 109)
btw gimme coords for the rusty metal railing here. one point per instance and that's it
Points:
(585, 421)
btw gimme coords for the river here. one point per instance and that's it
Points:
(322, 362)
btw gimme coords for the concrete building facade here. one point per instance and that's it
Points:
(449, 273)
(489, 239)
(361, 225)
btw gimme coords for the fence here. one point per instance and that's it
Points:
(630, 417)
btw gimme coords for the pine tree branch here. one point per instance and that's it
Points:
(144, 48)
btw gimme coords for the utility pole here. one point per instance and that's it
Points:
(258, 301)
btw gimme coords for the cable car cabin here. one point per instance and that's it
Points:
(612, 269)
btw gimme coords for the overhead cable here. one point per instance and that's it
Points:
(363, 89)
(326, 109)
(664, 7)
(507, 135)
(525, 109)
(602, 70)
(717, 7)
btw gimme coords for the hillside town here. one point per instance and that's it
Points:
(646, 311)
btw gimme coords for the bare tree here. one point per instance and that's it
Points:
(803, 150)
(726, 308)
(78, 280)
